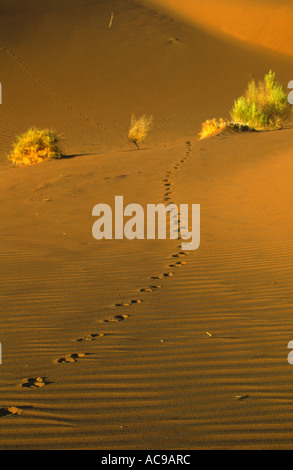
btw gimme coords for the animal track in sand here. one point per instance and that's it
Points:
(39, 382)
(126, 304)
(178, 255)
(242, 397)
(121, 176)
(22, 64)
(161, 276)
(174, 40)
(168, 192)
(91, 337)
(116, 319)
(70, 358)
(10, 411)
(35, 382)
(177, 265)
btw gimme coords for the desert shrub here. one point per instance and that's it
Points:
(139, 128)
(34, 146)
(211, 126)
(263, 106)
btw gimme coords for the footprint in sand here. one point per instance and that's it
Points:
(10, 411)
(174, 40)
(178, 255)
(116, 319)
(35, 382)
(121, 176)
(91, 337)
(177, 265)
(242, 397)
(70, 358)
(126, 304)
(161, 276)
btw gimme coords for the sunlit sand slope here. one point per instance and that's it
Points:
(265, 23)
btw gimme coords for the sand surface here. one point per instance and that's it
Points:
(264, 23)
(151, 377)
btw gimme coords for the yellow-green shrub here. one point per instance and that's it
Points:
(34, 146)
(211, 126)
(263, 106)
(139, 128)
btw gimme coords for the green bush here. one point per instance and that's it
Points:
(34, 146)
(263, 106)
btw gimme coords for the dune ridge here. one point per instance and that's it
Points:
(260, 22)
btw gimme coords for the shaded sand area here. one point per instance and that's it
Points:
(102, 347)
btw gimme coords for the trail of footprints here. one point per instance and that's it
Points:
(70, 358)
(23, 65)
(35, 382)
(179, 261)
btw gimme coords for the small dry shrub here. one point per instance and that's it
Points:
(211, 126)
(139, 128)
(34, 146)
